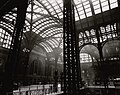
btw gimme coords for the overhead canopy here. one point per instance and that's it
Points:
(43, 24)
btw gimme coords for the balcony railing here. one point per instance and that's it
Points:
(36, 90)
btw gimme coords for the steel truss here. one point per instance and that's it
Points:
(11, 64)
(71, 52)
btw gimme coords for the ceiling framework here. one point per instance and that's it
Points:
(47, 19)
(97, 22)
(13, 55)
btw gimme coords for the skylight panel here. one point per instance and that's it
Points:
(55, 15)
(87, 10)
(34, 16)
(59, 1)
(28, 15)
(83, 0)
(81, 12)
(58, 35)
(50, 9)
(48, 6)
(7, 26)
(55, 41)
(60, 15)
(46, 26)
(10, 16)
(113, 4)
(43, 1)
(82, 16)
(52, 1)
(52, 31)
(52, 43)
(97, 11)
(54, 34)
(89, 14)
(80, 8)
(49, 42)
(96, 6)
(103, 0)
(96, 2)
(85, 3)
(87, 6)
(77, 1)
(56, 7)
(5, 38)
(35, 7)
(61, 4)
(76, 18)
(105, 8)
(29, 8)
(47, 47)
(53, 4)
(113, 1)
(46, 3)
(49, 32)
(104, 5)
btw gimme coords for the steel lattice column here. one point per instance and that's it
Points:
(11, 64)
(71, 53)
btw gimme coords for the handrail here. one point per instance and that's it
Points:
(36, 90)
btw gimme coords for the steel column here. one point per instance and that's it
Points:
(10, 66)
(71, 52)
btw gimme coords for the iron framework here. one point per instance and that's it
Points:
(71, 53)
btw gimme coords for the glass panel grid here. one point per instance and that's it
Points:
(85, 58)
(113, 3)
(5, 39)
(96, 6)
(46, 46)
(47, 27)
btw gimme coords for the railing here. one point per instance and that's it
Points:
(36, 90)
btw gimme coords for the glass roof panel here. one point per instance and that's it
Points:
(113, 4)
(52, 42)
(96, 6)
(5, 39)
(47, 18)
(46, 47)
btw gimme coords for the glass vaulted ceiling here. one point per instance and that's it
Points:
(44, 18)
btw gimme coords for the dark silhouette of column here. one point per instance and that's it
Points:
(71, 50)
(13, 57)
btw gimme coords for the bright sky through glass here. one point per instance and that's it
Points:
(47, 16)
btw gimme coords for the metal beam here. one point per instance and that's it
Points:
(71, 52)
(10, 66)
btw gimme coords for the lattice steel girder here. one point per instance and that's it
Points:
(71, 52)
(10, 66)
